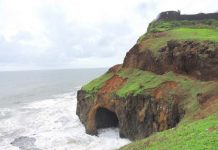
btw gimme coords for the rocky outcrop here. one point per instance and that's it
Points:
(144, 60)
(196, 59)
(115, 68)
(136, 116)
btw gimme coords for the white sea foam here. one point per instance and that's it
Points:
(52, 124)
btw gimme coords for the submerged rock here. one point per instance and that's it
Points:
(25, 143)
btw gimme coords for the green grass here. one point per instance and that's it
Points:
(197, 135)
(154, 43)
(199, 30)
(138, 81)
(195, 34)
(160, 26)
(93, 86)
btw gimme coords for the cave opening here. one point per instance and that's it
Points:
(105, 118)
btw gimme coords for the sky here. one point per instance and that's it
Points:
(63, 34)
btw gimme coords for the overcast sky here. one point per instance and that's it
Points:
(55, 34)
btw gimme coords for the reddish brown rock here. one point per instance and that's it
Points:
(136, 116)
(112, 84)
(136, 58)
(115, 68)
(196, 59)
(208, 104)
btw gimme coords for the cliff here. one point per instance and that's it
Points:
(168, 79)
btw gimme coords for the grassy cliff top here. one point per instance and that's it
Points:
(166, 25)
(159, 32)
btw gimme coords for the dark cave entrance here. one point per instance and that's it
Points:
(105, 118)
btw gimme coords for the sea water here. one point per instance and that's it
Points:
(38, 112)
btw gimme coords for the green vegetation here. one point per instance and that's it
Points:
(197, 135)
(160, 26)
(195, 34)
(159, 32)
(93, 86)
(154, 43)
(138, 81)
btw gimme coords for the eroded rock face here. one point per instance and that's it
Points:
(196, 59)
(138, 116)
(145, 60)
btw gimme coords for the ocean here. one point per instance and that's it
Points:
(38, 112)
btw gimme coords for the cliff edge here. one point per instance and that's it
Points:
(168, 79)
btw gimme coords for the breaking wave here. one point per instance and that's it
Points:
(52, 124)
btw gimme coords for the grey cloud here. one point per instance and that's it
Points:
(22, 36)
(74, 40)
(9, 51)
(70, 41)
(148, 8)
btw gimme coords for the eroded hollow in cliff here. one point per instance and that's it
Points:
(105, 118)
